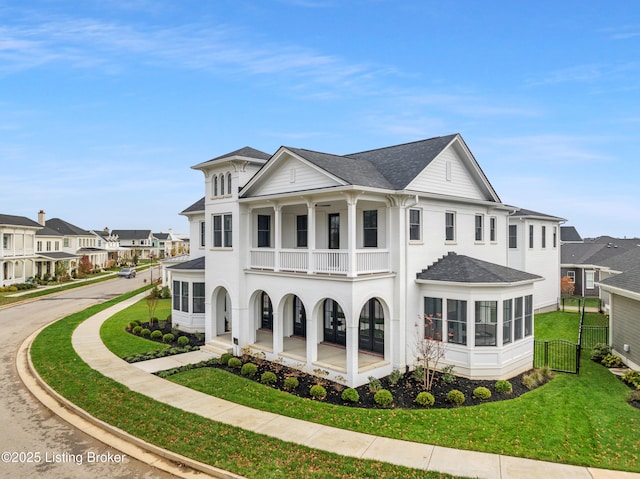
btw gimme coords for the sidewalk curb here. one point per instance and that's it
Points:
(150, 454)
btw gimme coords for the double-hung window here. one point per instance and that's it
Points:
(486, 323)
(185, 297)
(264, 231)
(517, 322)
(492, 229)
(198, 298)
(530, 236)
(222, 231)
(513, 236)
(507, 321)
(433, 318)
(370, 228)
(479, 227)
(543, 243)
(415, 229)
(528, 315)
(450, 226)
(302, 231)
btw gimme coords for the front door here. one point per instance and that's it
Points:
(371, 327)
(299, 318)
(335, 324)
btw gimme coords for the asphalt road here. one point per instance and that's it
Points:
(33, 442)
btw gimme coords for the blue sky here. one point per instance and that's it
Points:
(105, 106)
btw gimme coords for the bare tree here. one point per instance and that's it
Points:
(429, 349)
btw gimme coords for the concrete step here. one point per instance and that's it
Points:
(217, 347)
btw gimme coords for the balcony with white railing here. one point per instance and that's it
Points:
(324, 261)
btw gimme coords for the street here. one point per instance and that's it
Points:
(34, 443)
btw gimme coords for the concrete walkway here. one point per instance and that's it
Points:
(86, 340)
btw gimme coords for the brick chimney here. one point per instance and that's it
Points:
(42, 217)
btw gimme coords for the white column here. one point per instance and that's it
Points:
(352, 350)
(277, 331)
(351, 237)
(277, 236)
(311, 236)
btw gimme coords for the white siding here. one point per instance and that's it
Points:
(448, 175)
(292, 175)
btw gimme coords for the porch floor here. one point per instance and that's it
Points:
(329, 355)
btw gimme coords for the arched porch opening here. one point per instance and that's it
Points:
(222, 324)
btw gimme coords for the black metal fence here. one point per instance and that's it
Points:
(559, 355)
(592, 335)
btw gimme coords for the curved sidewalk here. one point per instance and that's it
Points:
(86, 341)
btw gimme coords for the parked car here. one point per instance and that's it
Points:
(127, 273)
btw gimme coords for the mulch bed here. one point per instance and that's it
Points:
(404, 391)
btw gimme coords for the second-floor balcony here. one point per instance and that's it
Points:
(327, 261)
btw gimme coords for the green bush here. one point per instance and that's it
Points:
(156, 334)
(503, 386)
(183, 341)
(350, 395)
(395, 377)
(632, 378)
(224, 359)
(137, 330)
(425, 399)
(456, 397)
(145, 332)
(268, 377)
(234, 363)
(634, 396)
(249, 369)
(599, 351)
(612, 361)
(291, 383)
(383, 398)
(374, 384)
(481, 393)
(318, 392)
(447, 375)
(168, 338)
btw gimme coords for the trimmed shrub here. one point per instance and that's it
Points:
(268, 377)
(634, 396)
(156, 334)
(395, 377)
(632, 378)
(350, 395)
(145, 332)
(234, 363)
(374, 384)
(291, 382)
(318, 392)
(224, 359)
(447, 375)
(168, 338)
(425, 399)
(481, 393)
(137, 330)
(599, 351)
(183, 341)
(383, 398)
(249, 369)
(612, 361)
(503, 386)
(456, 397)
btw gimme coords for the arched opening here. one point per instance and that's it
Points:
(266, 312)
(335, 324)
(371, 327)
(222, 320)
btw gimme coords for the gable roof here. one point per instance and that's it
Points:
(11, 220)
(46, 231)
(400, 164)
(455, 268)
(628, 281)
(524, 213)
(66, 228)
(131, 234)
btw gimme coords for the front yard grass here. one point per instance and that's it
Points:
(226, 447)
(123, 344)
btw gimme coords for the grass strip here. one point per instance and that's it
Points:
(226, 447)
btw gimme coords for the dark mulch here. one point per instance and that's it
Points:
(404, 391)
(167, 327)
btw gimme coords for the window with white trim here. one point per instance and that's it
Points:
(479, 228)
(492, 229)
(415, 225)
(222, 225)
(590, 279)
(450, 226)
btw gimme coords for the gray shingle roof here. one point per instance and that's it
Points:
(599, 251)
(46, 231)
(354, 171)
(464, 269)
(400, 164)
(197, 207)
(57, 255)
(629, 280)
(132, 234)
(66, 228)
(11, 220)
(569, 233)
(246, 152)
(522, 212)
(194, 264)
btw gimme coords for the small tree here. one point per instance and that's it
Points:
(429, 350)
(567, 288)
(152, 304)
(84, 267)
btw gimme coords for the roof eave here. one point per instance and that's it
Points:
(507, 284)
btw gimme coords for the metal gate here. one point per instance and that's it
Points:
(559, 355)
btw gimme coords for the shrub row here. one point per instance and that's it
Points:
(601, 353)
(159, 354)
(632, 378)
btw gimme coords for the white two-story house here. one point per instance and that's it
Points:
(17, 249)
(340, 265)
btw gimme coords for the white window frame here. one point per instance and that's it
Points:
(590, 279)
(418, 226)
(478, 228)
(451, 214)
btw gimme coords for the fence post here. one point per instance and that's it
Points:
(546, 353)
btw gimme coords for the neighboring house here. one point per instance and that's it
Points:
(624, 315)
(594, 259)
(342, 264)
(169, 244)
(137, 242)
(17, 249)
(61, 241)
(106, 240)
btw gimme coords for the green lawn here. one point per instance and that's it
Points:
(123, 344)
(226, 447)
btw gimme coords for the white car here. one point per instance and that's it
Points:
(127, 273)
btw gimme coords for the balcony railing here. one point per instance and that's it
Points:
(329, 261)
(11, 252)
